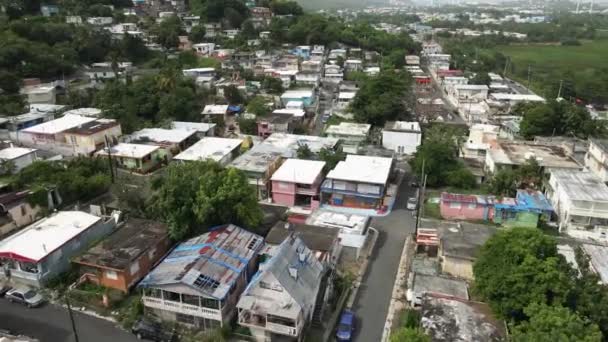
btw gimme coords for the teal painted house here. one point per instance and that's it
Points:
(525, 210)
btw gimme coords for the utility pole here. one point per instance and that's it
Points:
(420, 191)
(67, 301)
(559, 92)
(504, 72)
(529, 75)
(108, 147)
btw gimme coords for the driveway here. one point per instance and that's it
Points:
(51, 323)
(374, 296)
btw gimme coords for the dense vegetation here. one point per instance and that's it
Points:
(537, 291)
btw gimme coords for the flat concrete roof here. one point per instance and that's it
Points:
(517, 153)
(11, 153)
(59, 125)
(299, 171)
(210, 148)
(581, 186)
(364, 169)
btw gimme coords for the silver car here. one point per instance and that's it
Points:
(25, 296)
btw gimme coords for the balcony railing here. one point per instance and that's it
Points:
(246, 319)
(183, 308)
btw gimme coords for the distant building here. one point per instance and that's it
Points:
(171, 141)
(596, 159)
(42, 93)
(402, 137)
(19, 157)
(199, 283)
(16, 211)
(512, 154)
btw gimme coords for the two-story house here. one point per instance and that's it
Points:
(198, 284)
(296, 183)
(259, 163)
(596, 159)
(281, 299)
(358, 181)
(137, 158)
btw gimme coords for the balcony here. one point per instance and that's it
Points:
(306, 191)
(253, 320)
(182, 308)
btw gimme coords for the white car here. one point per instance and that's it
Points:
(25, 296)
(412, 203)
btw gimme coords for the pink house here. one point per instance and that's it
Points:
(466, 207)
(297, 182)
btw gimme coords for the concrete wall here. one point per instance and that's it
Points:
(401, 142)
(20, 216)
(465, 211)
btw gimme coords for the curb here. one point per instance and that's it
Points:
(400, 279)
(362, 270)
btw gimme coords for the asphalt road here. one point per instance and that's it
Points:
(374, 296)
(51, 323)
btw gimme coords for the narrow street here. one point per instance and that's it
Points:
(373, 299)
(51, 323)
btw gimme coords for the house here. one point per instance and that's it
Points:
(281, 299)
(221, 150)
(136, 158)
(302, 51)
(322, 241)
(16, 211)
(481, 138)
(204, 49)
(274, 123)
(306, 96)
(231, 33)
(293, 111)
(596, 159)
(453, 319)
(199, 72)
(598, 260)
(466, 207)
(289, 144)
(171, 141)
(353, 230)
(580, 200)
(41, 93)
(312, 66)
(468, 93)
(317, 53)
(18, 157)
(71, 135)
(212, 29)
(420, 285)
(198, 284)
(73, 19)
(43, 249)
(201, 129)
(412, 60)
(512, 154)
(358, 182)
(353, 65)
(525, 210)
(100, 21)
(88, 112)
(345, 98)
(351, 134)
(126, 256)
(335, 53)
(402, 137)
(213, 111)
(49, 10)
(259, 163)
(37, 114)
(308, 78)
(430, 48)
(513, 99)
(296, 183)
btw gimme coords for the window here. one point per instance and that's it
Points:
(186, 319)
(172, 296)
(252, 244)
(282, 186)
(472, 205)
(189, 299)
(154, 293)
(135, 267)
(112, 275)
(209, 303)
(455, 205)
(204, 281)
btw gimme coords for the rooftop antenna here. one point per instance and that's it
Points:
(578, 5)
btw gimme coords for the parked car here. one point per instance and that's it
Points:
(3, 290)
(144, 329)
(412, 203)
(325, 117)
(346, 327)
(25, 296)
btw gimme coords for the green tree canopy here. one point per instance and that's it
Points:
(554, 323)
(195, 196)
(258, 106)
(405, 334)
(559, 118)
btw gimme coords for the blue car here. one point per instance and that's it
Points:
(346, 327)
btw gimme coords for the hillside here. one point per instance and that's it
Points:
(312, 5)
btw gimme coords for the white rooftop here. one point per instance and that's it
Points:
(130, 150)
(11, 153)
(517, 97)
(40, 239)
(599, 260)
(290, 143)
(293, 94)
(408, 126)
(581, 186)
(59, 125)
(294, 105)
(192, 126)
(346, 95)
(471, 87)
(298, 113)
(161, 135)
(299, 171)
(349, 128)
(92, 112)
(215, 109)
(210, 148)
(364, 169)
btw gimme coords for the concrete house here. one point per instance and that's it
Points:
(171, 141)
(40, 94)
(481, 138)
(198, 284)
(71, 135)
(402, 137)
(596, 159)
(351, 134)
(259, 163)
(201, 129)
(16, 211)
(297, 182)
(126, 256)
(466, 207)
(353, 230)
(275, 123)
(359, 182)
(43, 250)
(512, 154)
(136, 158)
(306, 96)
(221, 150)
(20, 157)
(280, 300)
(580, 200)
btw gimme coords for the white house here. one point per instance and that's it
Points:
(596, 159)
(351, 134)
(481, 138)
(402, 137)
(203, 49)
(20, 157)
(580, 200)
(221, 150)
(353, 230)
(42, 93)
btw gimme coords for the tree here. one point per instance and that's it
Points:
(233, 95)
(331, 157)
(195, 196)
(272, 85)
(168, 32)
(283, 7)
(461, 178)
(248, 126)
(531, 271)
(481, 78)
(409, 335)
(197, 34)
(554, 323)
(304, 152)
(541, 120)
(558, 118)
(503, 183)
(258, 106)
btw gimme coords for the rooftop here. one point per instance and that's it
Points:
(299, 93)
(599, 260)
(93, 127)
(290, 143)
(460, 239)
(299, 171)
(364, 169)
(161, 135)
(126, 244)
(92, 112)
(518, 152)
(298, 113)
(129, 150)
(453, 320)
(349, 128)
(192, 126)
(316, 238)
(215, 109)
(287, 284)
(258, 159)
(581, 186)
(517, 97)
(208, 264)
(438, 285)
(471, 87)
(347, 95)
(11, 153)
(59, 125)
(38, 240)
(402, 126)
(210, 148)
(347, 223)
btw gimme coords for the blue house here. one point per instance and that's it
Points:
(306, 96)
(525, 210)
(302, 51)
